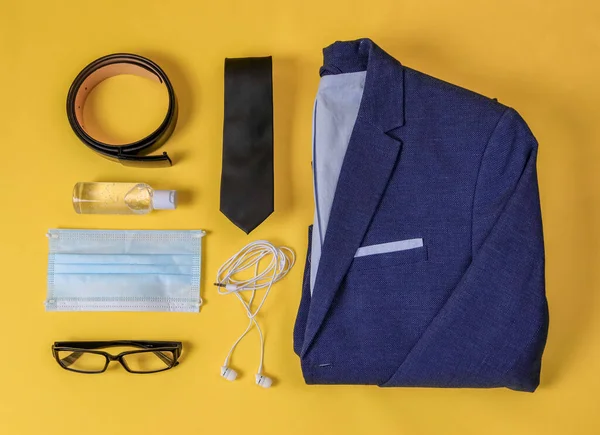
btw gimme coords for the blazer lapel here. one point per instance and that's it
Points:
(367, 168)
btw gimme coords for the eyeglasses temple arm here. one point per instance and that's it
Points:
(70, 359)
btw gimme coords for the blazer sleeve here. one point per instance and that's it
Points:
(492, 330)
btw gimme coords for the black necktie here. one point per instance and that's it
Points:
(247, 173)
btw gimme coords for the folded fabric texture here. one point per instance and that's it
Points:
(425, 264)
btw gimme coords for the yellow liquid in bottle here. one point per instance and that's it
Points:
(112, 198)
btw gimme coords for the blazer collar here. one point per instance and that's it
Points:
(368, 166)
(381, 105)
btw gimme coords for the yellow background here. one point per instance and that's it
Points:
(540, 57)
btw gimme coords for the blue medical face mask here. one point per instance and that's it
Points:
(95, 270)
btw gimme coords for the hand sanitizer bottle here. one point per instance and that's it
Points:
(121, 198)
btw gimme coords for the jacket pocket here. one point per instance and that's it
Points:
(390, 254)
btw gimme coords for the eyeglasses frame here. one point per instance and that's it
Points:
(146, 346)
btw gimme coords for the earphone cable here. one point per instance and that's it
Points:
(282, 261)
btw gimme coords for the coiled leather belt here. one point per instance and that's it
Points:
(131, 154)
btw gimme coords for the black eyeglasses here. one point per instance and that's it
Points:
(84, 356)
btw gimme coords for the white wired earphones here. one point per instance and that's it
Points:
(250, 256)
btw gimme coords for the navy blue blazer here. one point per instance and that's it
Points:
(427, 160)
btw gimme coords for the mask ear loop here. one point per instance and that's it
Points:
(282, 261)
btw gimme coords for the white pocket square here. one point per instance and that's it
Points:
(385, 248)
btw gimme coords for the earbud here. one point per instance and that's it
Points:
(228, 373)
(263, 381)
